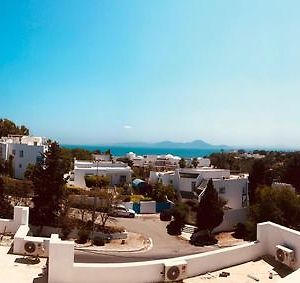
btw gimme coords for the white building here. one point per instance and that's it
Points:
(153, 160)
(118, 173)
(191, 183)
(24, 150)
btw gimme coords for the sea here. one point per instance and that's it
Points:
(121, 151)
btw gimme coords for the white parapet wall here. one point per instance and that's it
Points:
(62, 268)
(275, 234)
(21, 217)
(148, 207)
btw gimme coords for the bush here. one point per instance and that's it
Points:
(165, 215)
(99, 241)
(83, 236)
(174, 228)
(199, 239)
(240, 231)
(65, 232)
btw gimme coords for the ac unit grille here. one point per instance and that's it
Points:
(29, 247)
(173, 273)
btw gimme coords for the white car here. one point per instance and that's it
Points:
(123, 211)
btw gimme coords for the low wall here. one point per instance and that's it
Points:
(86, 200)
(275, 234)
(62, 268)
(21, 217)
(147, 207)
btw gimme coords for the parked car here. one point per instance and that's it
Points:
(122, 211)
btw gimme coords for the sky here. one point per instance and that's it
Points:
(103, 72)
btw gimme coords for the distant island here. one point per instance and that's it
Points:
(197, 144)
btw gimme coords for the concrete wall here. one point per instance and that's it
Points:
(148, 207)
(62, 268)
(275, 234)
(231, 218)
(30, 154)
(233, 191)
(113, 173)
(21, 217)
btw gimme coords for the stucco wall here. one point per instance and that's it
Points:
(21, 217)
(231, 218)
(62, 269)
(275, 234)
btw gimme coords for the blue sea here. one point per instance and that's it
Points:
(121, 151)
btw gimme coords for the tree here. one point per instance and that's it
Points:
(280, 205)
(8, 127)
(48, 182)
(161, 193)
(210, 211)
(29, 172)
(5, 206)
(257, 177)
(10, 166)
(94, 181)
(182, 163)
(195, 162)
(292, 171)
(179, 213)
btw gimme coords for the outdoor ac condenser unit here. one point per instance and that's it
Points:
(32, 248)
(285, 255)
(175, 271)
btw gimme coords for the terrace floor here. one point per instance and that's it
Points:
(250, 272)
(19, 269)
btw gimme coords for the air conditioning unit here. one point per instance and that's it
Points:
(32, 248)
(285, 255)
(175, 271)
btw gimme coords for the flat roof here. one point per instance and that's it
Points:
(253, 271)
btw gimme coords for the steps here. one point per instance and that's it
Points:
(188, 229)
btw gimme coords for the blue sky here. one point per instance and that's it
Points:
(109, 71)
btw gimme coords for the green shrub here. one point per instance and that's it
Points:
(83, 236)
(174, 228)
(99, 241)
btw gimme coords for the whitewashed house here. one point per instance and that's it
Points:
(191, 183)
(118, 172)
(24, 150)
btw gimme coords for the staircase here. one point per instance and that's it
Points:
(189, 229)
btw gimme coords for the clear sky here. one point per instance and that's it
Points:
(91, 72)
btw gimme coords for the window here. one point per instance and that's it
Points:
(122, 179)
(21, 153)
(222, 190)
(14, 152)
(20, 165)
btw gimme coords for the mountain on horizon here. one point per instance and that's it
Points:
(196, 144)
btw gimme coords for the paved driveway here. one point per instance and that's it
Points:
(164, 245)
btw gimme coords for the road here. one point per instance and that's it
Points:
(164, 245)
